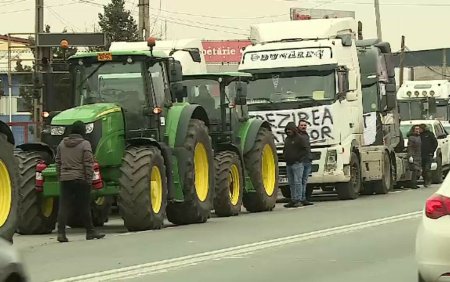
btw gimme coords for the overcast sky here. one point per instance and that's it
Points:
(423, 22)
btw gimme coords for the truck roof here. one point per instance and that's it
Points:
(80, 55)
(305, 29)
(228, 74)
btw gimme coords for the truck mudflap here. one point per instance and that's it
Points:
(372, 159)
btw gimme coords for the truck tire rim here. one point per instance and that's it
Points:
(47, 207)
(234, 184)
(201, 172)
(156, 189)
(5, 193)
(268, 170)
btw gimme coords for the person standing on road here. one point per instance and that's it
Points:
(428, 147)
(307, 160)
(74, 167)
(295, 152)
(414, 155)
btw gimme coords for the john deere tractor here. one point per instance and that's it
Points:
(152, 149)
(246, 160)
(9, 192)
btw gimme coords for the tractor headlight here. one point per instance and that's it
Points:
(57, 130)
(89, 128)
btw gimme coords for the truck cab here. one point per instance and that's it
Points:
(424, 100)
(309, 70)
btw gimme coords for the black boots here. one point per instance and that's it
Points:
(62, 237)
(93, 234)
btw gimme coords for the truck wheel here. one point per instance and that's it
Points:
(37, 214)
(229, 184)
(142, 189)
(351, 189)
(9, 190)
(197, 188)
(286, 191)
(100, 209)
(261, 163)
(437, 175)
(385, 185)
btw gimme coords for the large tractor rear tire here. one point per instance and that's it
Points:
(229, 184)
(37, 214)
(9, 190)
(143, 189)
(261, 163)
(197, 191)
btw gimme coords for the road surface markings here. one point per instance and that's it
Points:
(184, 261)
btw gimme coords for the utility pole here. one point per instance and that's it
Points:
(144, 19)
(37, 91)
(402, 58)
(444, 63)
(378, 19)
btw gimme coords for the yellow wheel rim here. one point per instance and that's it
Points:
(234, 184)
(156, 189)
(201, 172)
(47, 207)
(268, 169)
(5, 193)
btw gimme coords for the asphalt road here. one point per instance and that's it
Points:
(368, 239)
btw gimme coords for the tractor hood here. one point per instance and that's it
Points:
(86, 113)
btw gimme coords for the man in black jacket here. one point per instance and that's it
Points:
(428, 147)
(297, 156)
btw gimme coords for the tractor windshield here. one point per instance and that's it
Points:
(292, 85)
(111, 82)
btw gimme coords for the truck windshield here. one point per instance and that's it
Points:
(110, 82)
(292, 85)
(412, 110)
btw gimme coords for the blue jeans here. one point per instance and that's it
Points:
(298, 174)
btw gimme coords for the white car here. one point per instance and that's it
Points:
(441, 159)
(433, 237)
(11, 268)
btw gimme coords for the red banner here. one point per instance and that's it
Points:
(224, 51)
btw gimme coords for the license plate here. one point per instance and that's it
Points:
(283, 180)
(104, 56)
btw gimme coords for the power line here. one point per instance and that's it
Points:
(29, 9)
(426, 65)
(398, 4)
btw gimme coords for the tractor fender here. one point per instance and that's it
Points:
(249, 131)
(4, 128)
(178, 121)
(166, 152)
(37, 147)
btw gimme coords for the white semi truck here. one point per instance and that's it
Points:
(427, 99)
(310, 70)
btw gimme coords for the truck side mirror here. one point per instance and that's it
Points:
(175, 71)
(241, 93)
(432, 108)
(343, 83)
(391, 97)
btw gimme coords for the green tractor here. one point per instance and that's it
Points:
(9, 192)
(153, 150)
(246, 160)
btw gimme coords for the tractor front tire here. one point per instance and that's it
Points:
(9, 190)
(37, 214)
(261, 163)
(143, 189)
(229, 184)
(198, 182)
